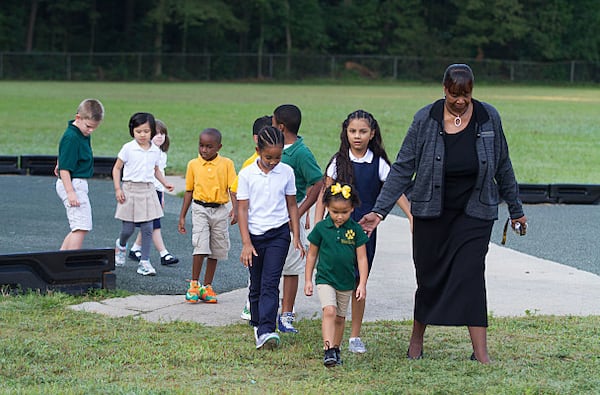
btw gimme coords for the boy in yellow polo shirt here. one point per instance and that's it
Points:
(208, 181)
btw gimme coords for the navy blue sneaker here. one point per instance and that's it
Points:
(330, 358)
(285, 321)
(338, 356)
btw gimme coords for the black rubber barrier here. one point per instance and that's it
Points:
(10, 165)
(559, 193)
(73, 272)
(43, 165)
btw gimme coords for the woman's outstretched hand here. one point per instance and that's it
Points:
(369, 222)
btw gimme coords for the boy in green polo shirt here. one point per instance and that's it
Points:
(74, 166)
(340, 243)
(309, 181)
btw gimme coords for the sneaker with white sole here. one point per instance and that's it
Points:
(267, 341)
(286, 321)
(120, 252)
(246, 312)
(145, 268)
(356, 345)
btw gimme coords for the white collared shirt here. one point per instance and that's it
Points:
(384, 168)
(139, 163)
(266, 192)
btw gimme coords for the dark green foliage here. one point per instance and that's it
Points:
(498, 29)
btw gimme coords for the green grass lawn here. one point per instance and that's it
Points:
(47, 348)
(553, 132)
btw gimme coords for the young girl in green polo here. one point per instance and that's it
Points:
(339, 243)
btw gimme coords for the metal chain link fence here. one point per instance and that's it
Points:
(245, 66)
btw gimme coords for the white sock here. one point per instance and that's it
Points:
(164, 253)
(136, 247)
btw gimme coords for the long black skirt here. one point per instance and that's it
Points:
(449, 256)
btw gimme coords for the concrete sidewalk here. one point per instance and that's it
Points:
(518, 284)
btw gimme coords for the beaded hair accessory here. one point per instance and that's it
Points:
(344, 190)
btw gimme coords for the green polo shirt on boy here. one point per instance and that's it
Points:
(337, 252)
(75, 153)
(306, 168)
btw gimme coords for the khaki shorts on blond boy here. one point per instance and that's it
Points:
(330, 296)
(80, 217)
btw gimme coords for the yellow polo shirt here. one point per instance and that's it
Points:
(247, 163)
(210, 181)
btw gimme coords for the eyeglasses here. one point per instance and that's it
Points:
(519, 229)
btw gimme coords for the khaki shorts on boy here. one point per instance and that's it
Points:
(80, 218)
(210, 231)
(294, 263)
(329, 296)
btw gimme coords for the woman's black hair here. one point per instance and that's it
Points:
(458, 79)
(341, 191)
(140, 118)
(269, 136)
(343, 165)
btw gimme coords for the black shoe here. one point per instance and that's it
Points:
(338, 356)
(169, 260)
(420, 356)
(330, 358)
(135, 255)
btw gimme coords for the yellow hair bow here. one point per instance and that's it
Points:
(345, 190)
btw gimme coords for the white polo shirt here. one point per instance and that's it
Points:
(266, 192)
(139, 163)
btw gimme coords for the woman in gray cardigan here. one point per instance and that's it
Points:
(456, 158)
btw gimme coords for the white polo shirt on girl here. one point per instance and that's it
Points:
(266, 192)
(139, 163)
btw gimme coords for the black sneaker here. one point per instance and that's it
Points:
(330, 358)
(169, 260)
(135, 255)
(338, 356)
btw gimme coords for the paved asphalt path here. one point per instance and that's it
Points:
(33, 220)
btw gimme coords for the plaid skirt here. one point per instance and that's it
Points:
(141, 203)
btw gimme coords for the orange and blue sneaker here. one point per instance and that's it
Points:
(193, 293)
(207, 294)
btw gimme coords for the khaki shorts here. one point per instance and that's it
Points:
(330, 296)
(80, 218)
(294, 263)
(210, 231)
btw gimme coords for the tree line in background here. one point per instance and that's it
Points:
(531, 30)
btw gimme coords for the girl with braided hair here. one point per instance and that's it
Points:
(360, 161)
(267, 210)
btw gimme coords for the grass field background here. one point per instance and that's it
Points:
(553, 132)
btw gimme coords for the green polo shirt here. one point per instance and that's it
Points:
(75, 153)
(337, 252)
(306, 168)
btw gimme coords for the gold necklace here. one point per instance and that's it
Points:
(457, 120)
